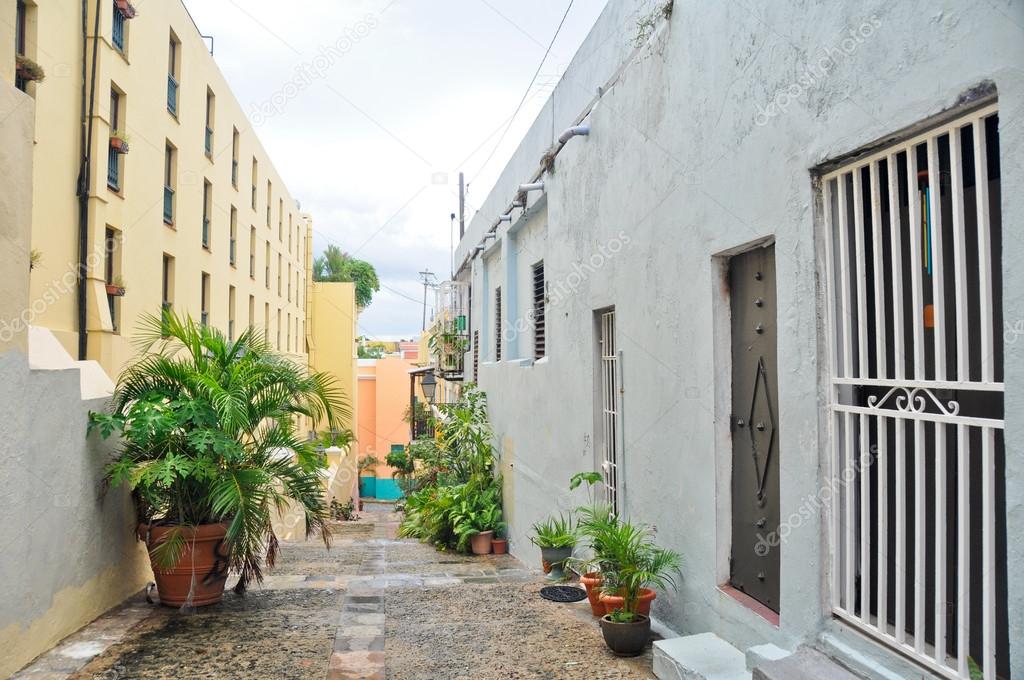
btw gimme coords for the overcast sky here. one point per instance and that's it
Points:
(369, 109)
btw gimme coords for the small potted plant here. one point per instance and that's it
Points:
(116, 287)
(35, 257)
(126, 9)
(119, 141)
(476, 519)
(27, 69)
(556, 538)
(633, 564)
(499, 544)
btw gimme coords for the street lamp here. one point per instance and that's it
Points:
(429, 386)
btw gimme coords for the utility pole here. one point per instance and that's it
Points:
(451, 248)
(462, 206)
(427, 275)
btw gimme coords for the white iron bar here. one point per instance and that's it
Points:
(862, 275)
(988, 556)
(916, 297)
(963, 549)
(846, 313)
(919, 534)
(928, 384)
(863, 471)
(869, 630)
(882, 468)
(849, 517)
(984, 248)
(879, 267)
(939, 638)
(924, 417)
(956, 186)
(899, 571)
(895, 236)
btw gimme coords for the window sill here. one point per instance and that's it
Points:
(171, 225)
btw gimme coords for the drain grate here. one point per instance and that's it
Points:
(563, 593)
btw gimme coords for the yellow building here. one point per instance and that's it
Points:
(332, 313)
(193, 216)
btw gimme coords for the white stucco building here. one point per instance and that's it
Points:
(782, 313)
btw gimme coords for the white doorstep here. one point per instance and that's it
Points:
(699, 657)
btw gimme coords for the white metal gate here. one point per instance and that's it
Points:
(609, 365)
(916, 415)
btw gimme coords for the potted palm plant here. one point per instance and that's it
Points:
(632, 564)
(556, 538)
(210, 451)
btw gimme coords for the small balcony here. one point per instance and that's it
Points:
(117, 35)
(113, 169)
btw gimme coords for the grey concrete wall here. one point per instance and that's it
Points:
(706, 143)
(68, 553)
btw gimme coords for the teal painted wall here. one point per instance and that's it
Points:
(367, 487)
(383, 488)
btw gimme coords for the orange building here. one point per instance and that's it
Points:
(383, 398)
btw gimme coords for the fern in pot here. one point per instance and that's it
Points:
(210, 451)
(556, 538)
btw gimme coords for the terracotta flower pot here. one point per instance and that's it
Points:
(116, 291)
(481, 543)
(119, 144)
(202, 566)
(592, 582)
(643, 605)
(499, 546)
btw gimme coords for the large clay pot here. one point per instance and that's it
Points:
(626, 639)
(202, 566)
(592, 582)
(480, 543)
(643, 605)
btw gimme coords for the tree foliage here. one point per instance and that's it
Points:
(337, 265)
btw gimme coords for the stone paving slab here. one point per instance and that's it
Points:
(372, 606)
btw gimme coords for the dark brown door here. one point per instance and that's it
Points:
(755, 433)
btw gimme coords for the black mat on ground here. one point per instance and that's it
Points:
(563, 593)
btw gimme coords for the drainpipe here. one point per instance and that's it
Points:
(84, 170)
(575, 130)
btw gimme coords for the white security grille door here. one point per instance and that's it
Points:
(916, 414)
(609, 409)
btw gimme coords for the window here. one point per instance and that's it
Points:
(267, 266)
(280, 220)
(255, 178)
(916, 409)
(235, 143)
(608, 367)
(21, 40)
(210, 111)
(167, 283)
(233, 238)
(266, 322)
(112, 275)
(279, 274)
(289, 233)
(252, 312)
(270, 188)
(114, 156)
(289, 282)
(173, 73)
(252, 253)
(497, 323)
(538, 310)
(207, 207)
(278, 343)
(204, 302)
(231, 312)
(170, 181)
(288, 331)
(119, 28)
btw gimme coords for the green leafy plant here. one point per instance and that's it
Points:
(632, 561)
(555, 532)
(29, 69)
(476, 512)
(337, 437)
(208, 435)
(35, 258)
(974, 670)
(343, 511)
(337, 265)
(448, 343)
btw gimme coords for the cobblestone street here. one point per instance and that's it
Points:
(370, 607)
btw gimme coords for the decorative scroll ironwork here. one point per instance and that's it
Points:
(912, 400)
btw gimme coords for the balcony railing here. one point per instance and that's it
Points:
(118, 29)
(206, 232)
(422, 428)
(172, 95)
(168, 205)
(209, 141)
(113, 167)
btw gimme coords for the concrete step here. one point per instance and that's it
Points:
(699, 657)
(803, 664)
(761, 653)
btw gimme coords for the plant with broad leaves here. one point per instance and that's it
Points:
(208, 435)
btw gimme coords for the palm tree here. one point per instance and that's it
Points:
(208, 435)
